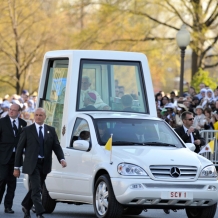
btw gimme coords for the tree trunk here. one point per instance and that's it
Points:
(18, 91)
(195, 65)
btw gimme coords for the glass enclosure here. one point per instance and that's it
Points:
(55, 93)
(111, 85)
(136, 132)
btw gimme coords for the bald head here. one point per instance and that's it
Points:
(40, 115)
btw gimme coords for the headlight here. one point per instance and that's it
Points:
(126, 169)
(208, 172)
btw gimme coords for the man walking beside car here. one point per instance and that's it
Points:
(188, 133)
(10, 129)
(38, 140)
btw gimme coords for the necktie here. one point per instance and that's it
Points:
(15, 128)
(41, 142)
(189, 137)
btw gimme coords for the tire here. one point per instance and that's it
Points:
(203, 212)
(132, 211)
(48, 203)
(104, 201)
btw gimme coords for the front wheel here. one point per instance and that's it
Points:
(105, 203)
(203, 212)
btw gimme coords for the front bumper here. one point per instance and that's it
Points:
(161, 194)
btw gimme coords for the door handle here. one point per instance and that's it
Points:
(66, 154)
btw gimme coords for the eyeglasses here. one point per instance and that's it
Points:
(190, 119)
(13, 110)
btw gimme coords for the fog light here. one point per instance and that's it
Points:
(136, 186)
(211, 188)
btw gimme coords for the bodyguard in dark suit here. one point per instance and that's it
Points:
(38, 140)
(188, 133)
(10, 129)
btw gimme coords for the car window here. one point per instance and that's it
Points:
(81, 131)
(111, 85)
(135, 132)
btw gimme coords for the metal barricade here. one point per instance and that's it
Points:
(211, 135)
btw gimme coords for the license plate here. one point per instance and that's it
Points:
(178, 195)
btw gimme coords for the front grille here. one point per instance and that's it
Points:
(173, 186)
(164, 172)
(171, 202)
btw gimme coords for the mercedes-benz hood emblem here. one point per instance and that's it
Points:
(175, 172)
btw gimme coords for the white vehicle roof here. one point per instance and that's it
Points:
(126, 115)
(110, 55)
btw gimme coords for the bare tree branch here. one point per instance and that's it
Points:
(188, 8)
(9, 55)
(7, 82)
(212, 17)
(211, 56)
(178, 14)
(211, 66)
(208, 6)
(135, 40)
(209, 47)
(7, 43)
(31, 14)
(152, 18)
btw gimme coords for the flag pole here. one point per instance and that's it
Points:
(111, 150)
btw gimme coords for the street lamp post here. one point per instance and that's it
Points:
(183, 39)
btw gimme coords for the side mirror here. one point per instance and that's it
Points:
(81, 145)
(190, 146)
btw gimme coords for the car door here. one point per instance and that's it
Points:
(78, 173)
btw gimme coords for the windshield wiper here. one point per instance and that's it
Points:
(126, 143)
(159, 143)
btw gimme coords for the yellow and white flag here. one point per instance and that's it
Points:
(208, 148)
(108, 147)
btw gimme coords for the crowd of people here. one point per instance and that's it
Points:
(26, 101)
(203, 105)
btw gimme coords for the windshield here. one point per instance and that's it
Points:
(136, 132)
(111, 86)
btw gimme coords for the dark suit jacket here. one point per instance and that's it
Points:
(29, 141)
(7, 139)
(184, 136)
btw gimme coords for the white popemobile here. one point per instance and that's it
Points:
(91, 96)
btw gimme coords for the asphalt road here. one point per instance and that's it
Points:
(82, 211)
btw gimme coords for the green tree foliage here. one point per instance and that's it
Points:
(203, 76)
